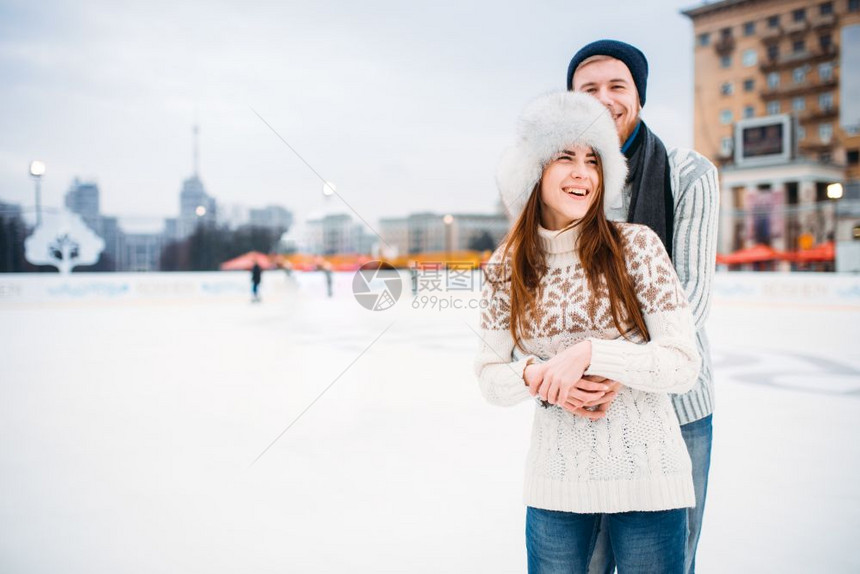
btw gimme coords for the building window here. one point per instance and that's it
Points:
(772, 52)
(725, 61)
(749, 28)
(726, 33)
(825, 101)
(704, 39)
(798, 46)
(825, 132)
(852, 156)
(826, 9)
(772, 108)
(853, 5)
(798, 104)
(826, 42)
(799, 15)
(727, 89)
(726, 117)
(749, 85)
(749, 112)
(773, 80)
(726, 147)
(825, 71)
(773, 21)
(824, 157)
(750, 58)
(801, 133)
(799, 75)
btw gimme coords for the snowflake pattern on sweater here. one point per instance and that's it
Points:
(634, 458)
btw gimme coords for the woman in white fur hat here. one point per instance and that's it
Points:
(578, 308)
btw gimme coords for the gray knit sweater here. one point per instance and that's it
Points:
(694, 247)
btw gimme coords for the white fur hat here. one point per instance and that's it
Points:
(547, 126)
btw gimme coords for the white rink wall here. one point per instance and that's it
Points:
(746, 287)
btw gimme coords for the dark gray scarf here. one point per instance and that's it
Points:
(651, 202)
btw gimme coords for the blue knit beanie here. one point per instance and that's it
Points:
(632, 57)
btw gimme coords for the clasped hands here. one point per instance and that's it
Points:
(561, 381)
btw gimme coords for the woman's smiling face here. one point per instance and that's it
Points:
(568, 186)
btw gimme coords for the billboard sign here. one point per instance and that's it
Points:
(765, 140)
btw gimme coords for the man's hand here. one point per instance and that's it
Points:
(597, 408)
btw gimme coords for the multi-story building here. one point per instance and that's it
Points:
(196, 207)
(271, 217)
(109, 230)
(143, 251)
(337, 233)
(777, 109)
(480, 232)
(432, 232)
(13, 231)
(395, 232)
(83, 198)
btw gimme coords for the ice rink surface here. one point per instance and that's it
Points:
(129, 431)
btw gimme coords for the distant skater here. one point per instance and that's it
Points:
(256, 279)
(328, 279)
(413, 276)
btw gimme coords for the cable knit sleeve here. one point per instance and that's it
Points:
(669, 362)
(499, 375)
(697, 202)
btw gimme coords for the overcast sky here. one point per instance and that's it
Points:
(405, 106)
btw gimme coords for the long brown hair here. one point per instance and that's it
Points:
(601, 251)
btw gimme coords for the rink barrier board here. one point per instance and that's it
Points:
(828, 289)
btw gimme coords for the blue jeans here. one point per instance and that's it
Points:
(698, 435)
(561, 542)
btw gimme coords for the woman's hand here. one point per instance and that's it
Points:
(560, 378)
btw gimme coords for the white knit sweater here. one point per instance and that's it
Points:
(635, 457)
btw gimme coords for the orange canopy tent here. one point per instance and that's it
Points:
(821, 252)
(754, 254)
(246, 262)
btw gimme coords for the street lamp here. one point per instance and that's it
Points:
(37, 170)
(834, 191)
(328, 189)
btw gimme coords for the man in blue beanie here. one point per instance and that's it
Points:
(676, 193)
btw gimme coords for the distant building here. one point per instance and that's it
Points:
(472, 231)
(10, 210)
(109, 230)
(13, 231)
(337, 233)
(777, 109)
(428, 232)
(232, 215)
(756, 58)
(272, 217)
(196, 207)
(143, 251)
(395, 232)
(83, 198)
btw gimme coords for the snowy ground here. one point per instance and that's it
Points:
(129, 431)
